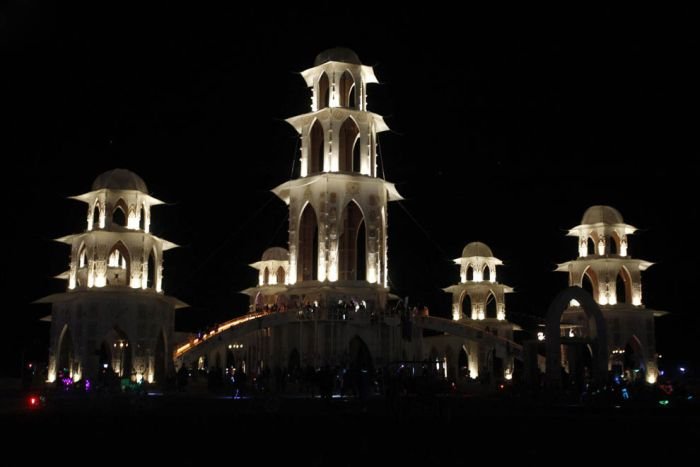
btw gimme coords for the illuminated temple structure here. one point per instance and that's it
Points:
(324, 300)
(114, 318)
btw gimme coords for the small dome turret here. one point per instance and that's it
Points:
(120, 179)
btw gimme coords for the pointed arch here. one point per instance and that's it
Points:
(323, 92)
(491, 306)
(142, 217)
(352, 261)
(347, 90)
(307, 254)
(82, 255)
(470, 273)
(120, 351)
(463, 363)
(487, 273)
(349, 136)
(151, 269)
(466, 305)
(592, 246)
(612, 244)
(635, 357)
(623, 286)
(266, 276)
(120, 213)
(65, 353)
(360, 356)
(280, 276)
(96, 214)
(589, 282)
(118, 265)
(316, 148)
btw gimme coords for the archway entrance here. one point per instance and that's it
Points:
(360, 355)
(463, 362)
(598, 337)
(64, 368)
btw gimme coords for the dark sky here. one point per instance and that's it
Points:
(506, 126)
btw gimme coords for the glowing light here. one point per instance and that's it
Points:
(540, 336)
(508, 374)
(574, 302)
(651, 378)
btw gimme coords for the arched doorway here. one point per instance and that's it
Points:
(360, 355)
(591, 245)
(316, 148)
(623, 286)
(466, 305)
(347, 90)
(599, 341)
(463, 363)
(118, 265)
(634, 362)
(589, 283)
(349, 139)
(120, 352)
(64, 366)
(142, 218)
(352, 262)
(151, 270)
(280, 275)
(323, 94)
(119, 215)
(491, 306)
(307, 254)
(96, 210)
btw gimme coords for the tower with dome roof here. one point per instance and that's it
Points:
(114, 317)
(338, 204)
(479, 299)
(605, 268)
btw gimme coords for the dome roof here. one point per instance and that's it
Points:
(337, 54)
(477, 249)
(275, 254)
(120, 179)
(604, 214)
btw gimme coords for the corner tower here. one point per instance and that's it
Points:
(114, 317)
(338, 205)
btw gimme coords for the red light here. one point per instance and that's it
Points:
(34, 401)
(500, 386)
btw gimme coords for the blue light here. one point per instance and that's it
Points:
(682, 369)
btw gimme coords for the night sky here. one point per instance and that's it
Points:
(506, 126)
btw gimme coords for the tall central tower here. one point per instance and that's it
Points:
(338, 205)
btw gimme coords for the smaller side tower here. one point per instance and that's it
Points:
(114, 319)
(480, 299)
(614, 279)
(273, 278)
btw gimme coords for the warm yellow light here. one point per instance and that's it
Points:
(651, 378)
